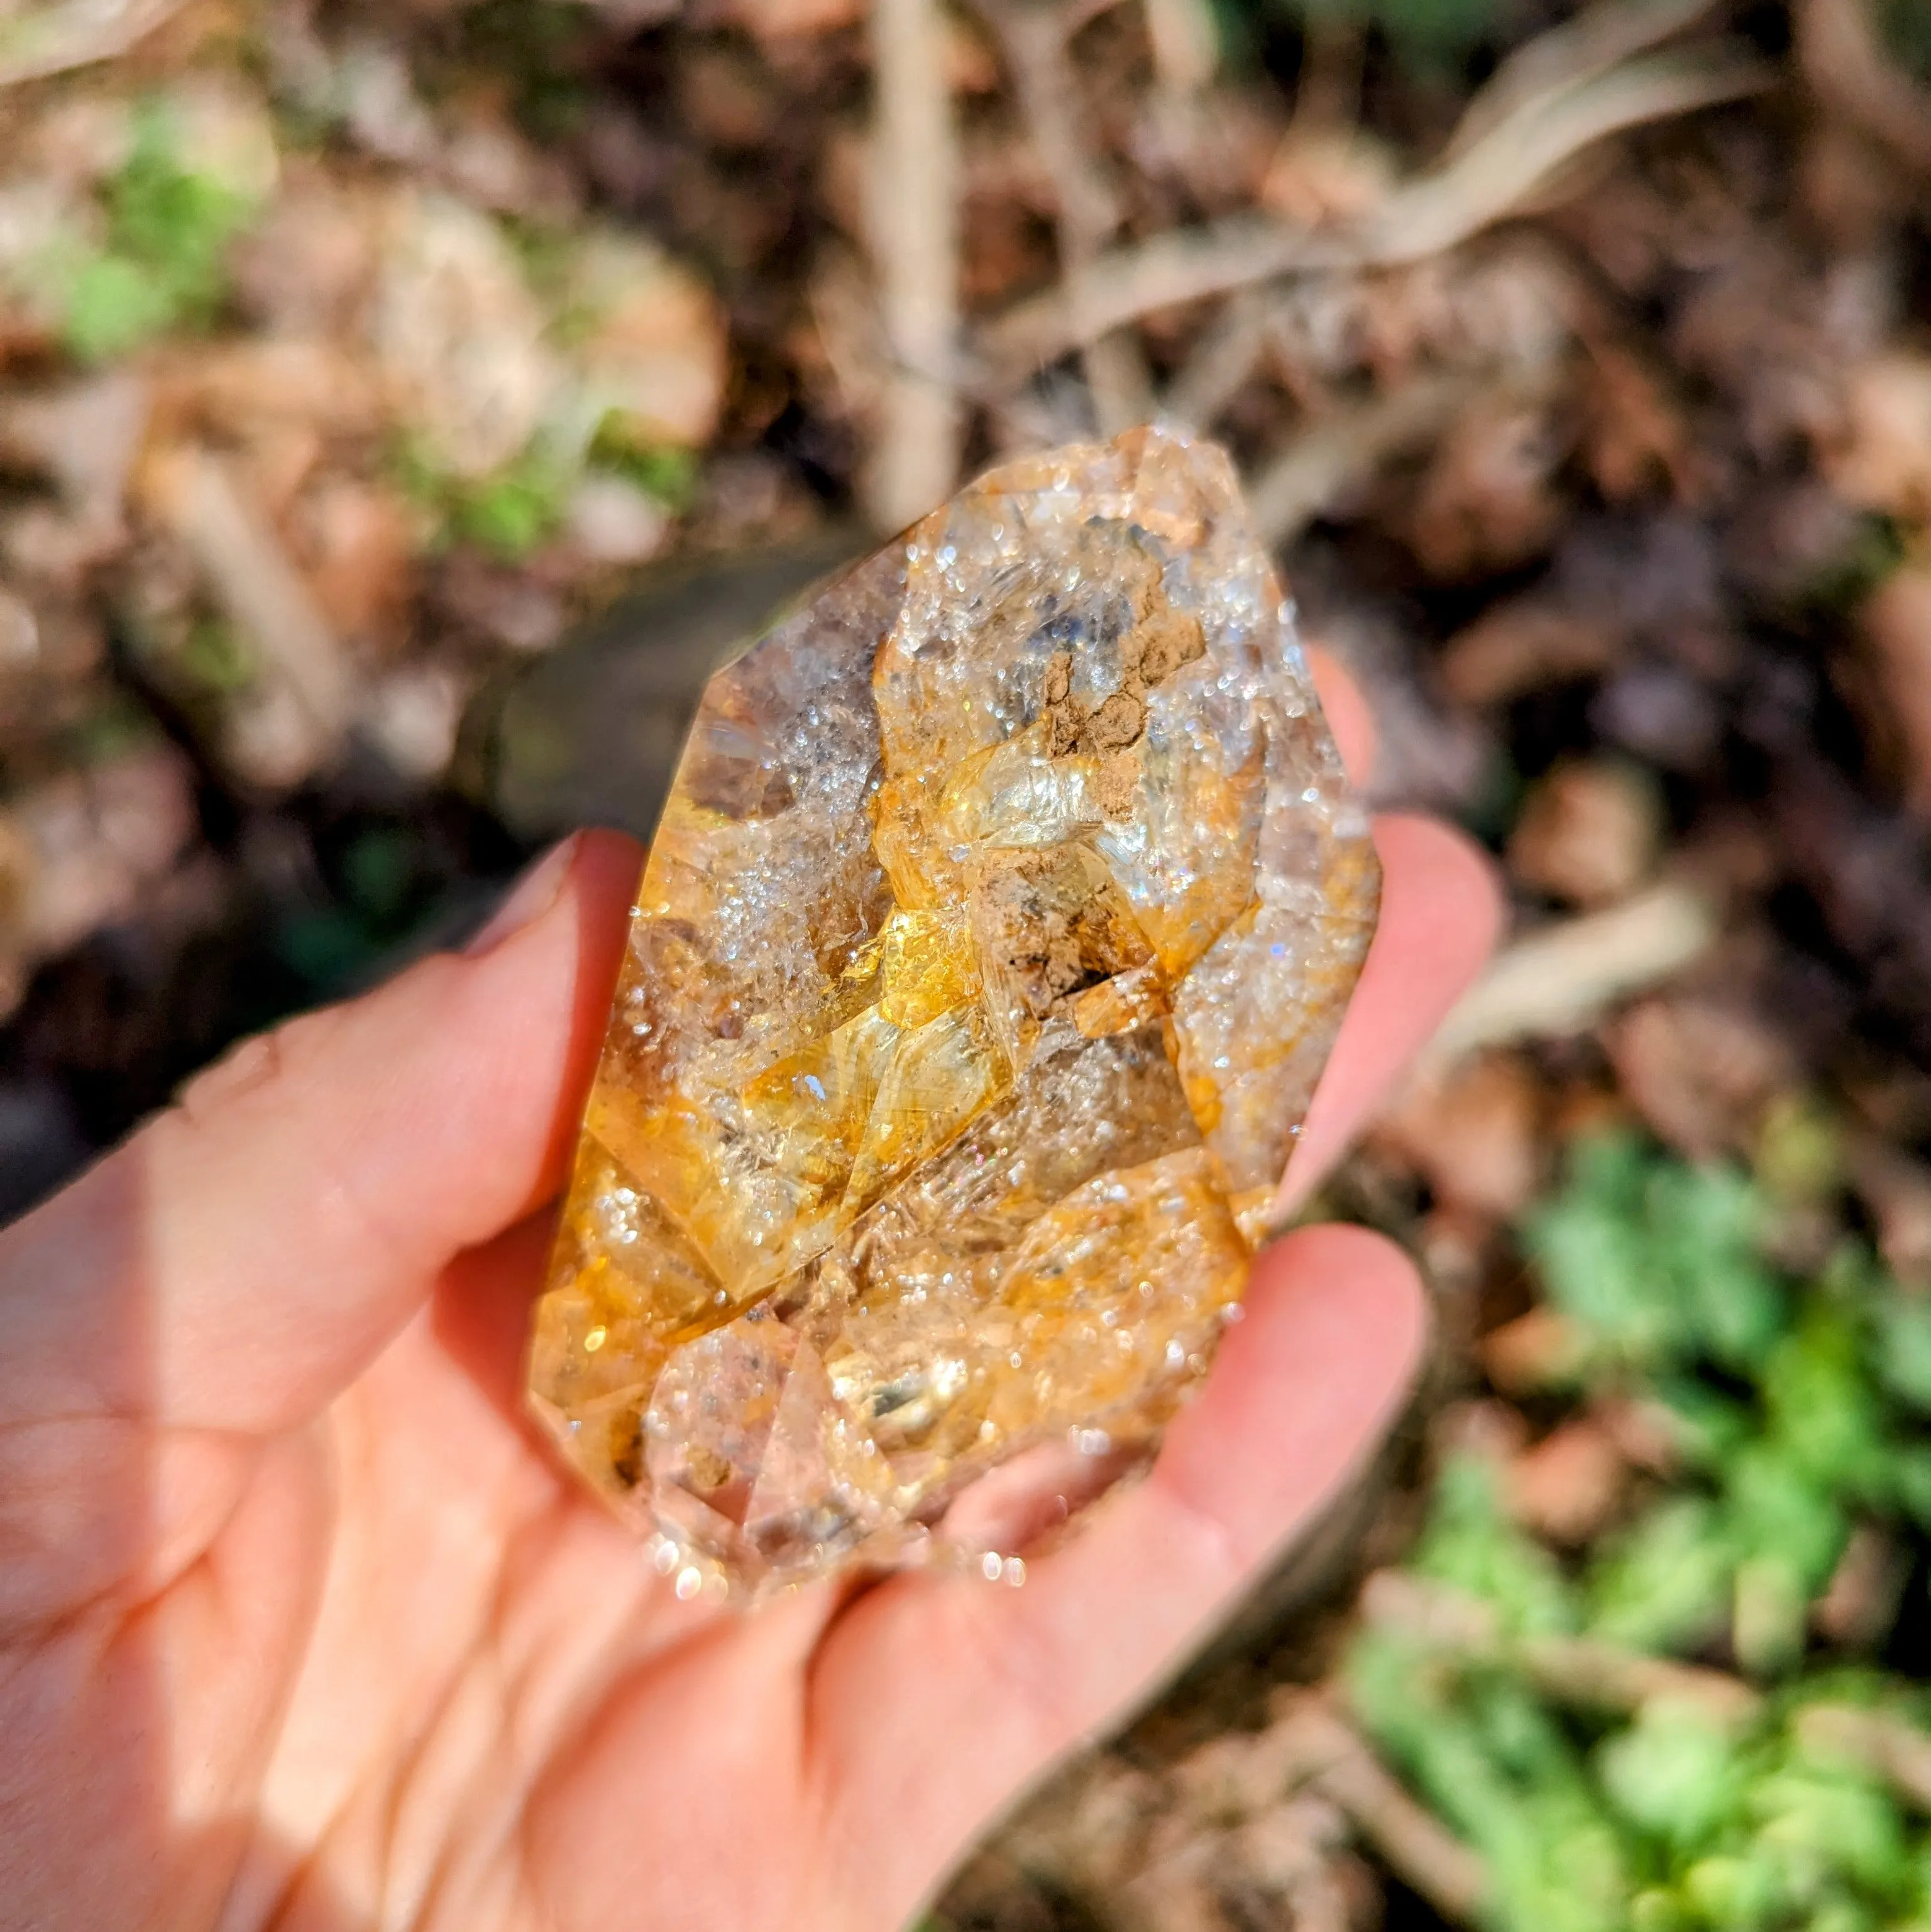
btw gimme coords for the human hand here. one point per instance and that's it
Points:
(301, 1625)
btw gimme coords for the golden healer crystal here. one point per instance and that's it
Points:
(1000, 919)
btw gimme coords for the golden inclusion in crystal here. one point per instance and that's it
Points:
(999, 922)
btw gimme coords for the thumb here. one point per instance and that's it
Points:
(247, 1254)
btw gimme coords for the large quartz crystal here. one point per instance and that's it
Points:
(999, 922)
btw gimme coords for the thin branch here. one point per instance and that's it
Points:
(1488, 181)
(1899, 1752)
(1033, 38)
(1565, 56)
(1580, 1671)
(1219, 363)
(195, 493)
(914, 234)
(1838, 49)
(1327, 461)
(1320, 1749)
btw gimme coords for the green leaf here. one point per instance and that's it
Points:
(1471, 1544)
(1664, 1581)
(1903, 1354)
(1656, 1262)
(169, 231)
(660, 470)
(114, 304)
(1817, 1827)
(1674, 1774)
(1737, 1894)
(1778, 1509)
(511, 514)
(1823, 1409)
(1770, 1604)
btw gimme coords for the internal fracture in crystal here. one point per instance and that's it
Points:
(998, 924)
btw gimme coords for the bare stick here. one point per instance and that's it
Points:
(1186, 46)
(1838, 49)
(1329, 1755)
(1324, 463)
(1033, 38)
(192, 491)
(915, 223)
(1578, 50)
(1219, 362)
(1489, 180)
(1899, 1752)
(1575, 1671)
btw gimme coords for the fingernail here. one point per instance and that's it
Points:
(528, 900)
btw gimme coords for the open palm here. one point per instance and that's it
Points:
(300, 1626)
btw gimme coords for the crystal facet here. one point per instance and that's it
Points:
(999, 922)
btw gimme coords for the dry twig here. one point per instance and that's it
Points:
(1487, 180)
(1899, 1752)
(1837, 47)
(1575, 1671)
(1327, 461)
(914, 231)
(1219, 362)
(1033, 38)
(191, 490)
(1578, 51)
(1324, 1752)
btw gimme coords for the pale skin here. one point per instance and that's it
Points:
(302, 1625)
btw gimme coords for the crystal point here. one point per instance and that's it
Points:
(999, 922)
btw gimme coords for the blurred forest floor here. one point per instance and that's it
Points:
(357, 357)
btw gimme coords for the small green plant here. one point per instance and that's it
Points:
(508, 513)
(522, 505)
(1798, 1409)
(662, 470)
(163, 264)
(515, 510)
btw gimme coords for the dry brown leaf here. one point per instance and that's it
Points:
(1474, 1133)
(1535, 1352)
(1699, 1070)
(779, 20)
(1324, 176)
(1436, 211)
(1895, 626)
(356, 542)
(458, 337)
(1843, 58)
(240, 391)
(1588, 832)
(1883, 460)
(1488, 502)
(655, 350)
(1635, 437)
(1570, 1485)
(1522, 645)
(1860, 1604)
